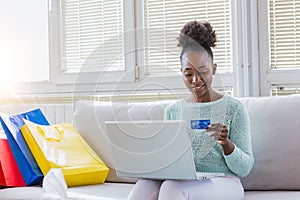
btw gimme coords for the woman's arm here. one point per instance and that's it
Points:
(241, 160)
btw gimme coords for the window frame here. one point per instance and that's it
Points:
(271, 77)
(139, 82)
(221, 81)
(59, 76)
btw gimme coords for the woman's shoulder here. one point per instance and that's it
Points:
(175, 105)
(234, 101)
(234, 104)
(173, 111)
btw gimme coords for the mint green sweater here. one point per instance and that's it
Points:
(208, 154)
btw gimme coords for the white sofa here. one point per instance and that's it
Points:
(275, 128)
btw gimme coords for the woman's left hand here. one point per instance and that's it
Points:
(219, 132)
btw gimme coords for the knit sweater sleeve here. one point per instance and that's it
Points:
(241, 160)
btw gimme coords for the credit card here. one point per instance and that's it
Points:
(200, 124)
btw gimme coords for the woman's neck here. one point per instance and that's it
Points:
(212, 96)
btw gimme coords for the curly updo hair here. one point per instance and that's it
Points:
(197, 36)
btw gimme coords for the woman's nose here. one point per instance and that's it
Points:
(196, 78)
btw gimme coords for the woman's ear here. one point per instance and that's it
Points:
(214, 68)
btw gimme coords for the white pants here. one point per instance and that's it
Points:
(221, 188)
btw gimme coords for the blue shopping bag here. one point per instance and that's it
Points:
(11, 124)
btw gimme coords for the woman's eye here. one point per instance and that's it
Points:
(202, 71)
(188, 74)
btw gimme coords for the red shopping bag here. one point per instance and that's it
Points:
(10, 175)
(11, 125)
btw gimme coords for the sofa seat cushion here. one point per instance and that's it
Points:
(272, 195)
(107, 191)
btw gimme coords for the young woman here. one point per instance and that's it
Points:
(225, 146)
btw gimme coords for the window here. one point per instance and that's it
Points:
(280, 46)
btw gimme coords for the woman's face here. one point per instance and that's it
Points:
(197, 71)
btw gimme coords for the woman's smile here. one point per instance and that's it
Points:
(198, 88)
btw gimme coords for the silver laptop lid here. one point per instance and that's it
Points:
(151, 149)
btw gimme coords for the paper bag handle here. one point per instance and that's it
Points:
(52, 133)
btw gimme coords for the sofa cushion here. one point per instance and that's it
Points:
(275, 130)
(90, 117)
(272, 195)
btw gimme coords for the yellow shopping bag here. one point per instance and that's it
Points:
(61, 146)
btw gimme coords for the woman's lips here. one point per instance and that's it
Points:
(198, 88)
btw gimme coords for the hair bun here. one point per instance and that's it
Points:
(195, 31)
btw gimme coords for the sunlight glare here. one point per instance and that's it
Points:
(5, 75)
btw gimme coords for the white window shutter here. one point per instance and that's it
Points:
(93, 41)
(284, 19)
(165, 18)
(92, 35)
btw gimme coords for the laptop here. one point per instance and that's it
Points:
(154, 150)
